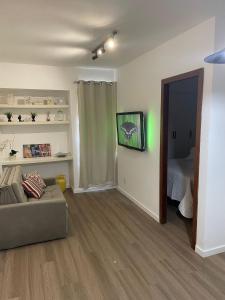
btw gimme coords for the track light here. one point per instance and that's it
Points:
(108, 44)
(100, 51)
(95, 57)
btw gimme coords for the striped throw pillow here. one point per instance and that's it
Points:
(33, 188)
(35, 175)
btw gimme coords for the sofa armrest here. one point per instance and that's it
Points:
(32, 222)
(50, 181)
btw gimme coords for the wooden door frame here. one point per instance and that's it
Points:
(199, 73)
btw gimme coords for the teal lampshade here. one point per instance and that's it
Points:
(216, 58)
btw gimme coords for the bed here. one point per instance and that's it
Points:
(179, 184)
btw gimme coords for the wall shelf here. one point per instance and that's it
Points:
(57, 133)
(33, 106)
(37, 160)
(36, 123)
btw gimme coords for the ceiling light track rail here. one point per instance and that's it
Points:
(106, 45)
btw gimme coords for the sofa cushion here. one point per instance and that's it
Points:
(32, 188)
(52, 192)
(5, 176)
(17, 185)
(35, 175)
(11, 175)
(2, 178)
(7, 195)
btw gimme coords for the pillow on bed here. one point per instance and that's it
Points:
(191, 154)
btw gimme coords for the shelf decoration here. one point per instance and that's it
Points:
(36, 150)
(59, 116)
(9, 116)
(20, 118)
(33, 116)
(3, 146)
(48, 119)
(12, 153)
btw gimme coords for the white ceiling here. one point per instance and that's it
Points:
(63, 32)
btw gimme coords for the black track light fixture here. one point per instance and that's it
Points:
(108, 44)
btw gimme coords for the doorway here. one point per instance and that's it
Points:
(198, 76)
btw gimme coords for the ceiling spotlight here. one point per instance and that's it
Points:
(95, 56)
(99, 51)
(216, 58)
(106, 45)
(110, 43)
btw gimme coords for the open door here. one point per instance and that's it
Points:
(199, 74)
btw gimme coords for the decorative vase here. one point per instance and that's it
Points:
(59, 116)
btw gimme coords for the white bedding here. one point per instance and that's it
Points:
(179, 179)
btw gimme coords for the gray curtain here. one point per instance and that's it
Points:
(97, 127)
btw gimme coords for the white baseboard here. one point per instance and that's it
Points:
(134, 200)
(209, 252)
(93, 189)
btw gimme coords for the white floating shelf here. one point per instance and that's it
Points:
(37, 160)
(33, 106)
(36, 123)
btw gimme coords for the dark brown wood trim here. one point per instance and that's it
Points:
(199, 73)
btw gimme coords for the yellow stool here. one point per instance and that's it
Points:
(61, 181)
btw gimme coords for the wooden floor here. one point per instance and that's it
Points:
(113, 251)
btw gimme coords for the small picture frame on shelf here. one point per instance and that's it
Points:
(59, 101)
(59, 116)
(21, 100)
(3, 99)
(10, 99)
(37, 100)
(49, 101)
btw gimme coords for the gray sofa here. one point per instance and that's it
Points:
(27, 220)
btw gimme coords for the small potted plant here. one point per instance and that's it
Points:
(33, 116)
(20, 118)
(12, 153)
(9, 116)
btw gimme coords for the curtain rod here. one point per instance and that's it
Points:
(90, 81)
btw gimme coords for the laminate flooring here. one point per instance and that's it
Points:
(113, 251)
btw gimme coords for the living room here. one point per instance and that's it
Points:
(83, 214)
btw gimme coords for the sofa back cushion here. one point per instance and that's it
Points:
(16, 184)
(5, 176)
(7, 195)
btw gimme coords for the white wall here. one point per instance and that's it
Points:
(212, 239)
(96, 74)
(24, 76)
(139, 88)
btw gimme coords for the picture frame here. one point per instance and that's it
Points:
(36, 150)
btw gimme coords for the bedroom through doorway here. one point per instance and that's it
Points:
(180, 148)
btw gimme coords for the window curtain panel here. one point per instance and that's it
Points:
(97, 127)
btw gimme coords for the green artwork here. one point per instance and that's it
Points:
(130, 130)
